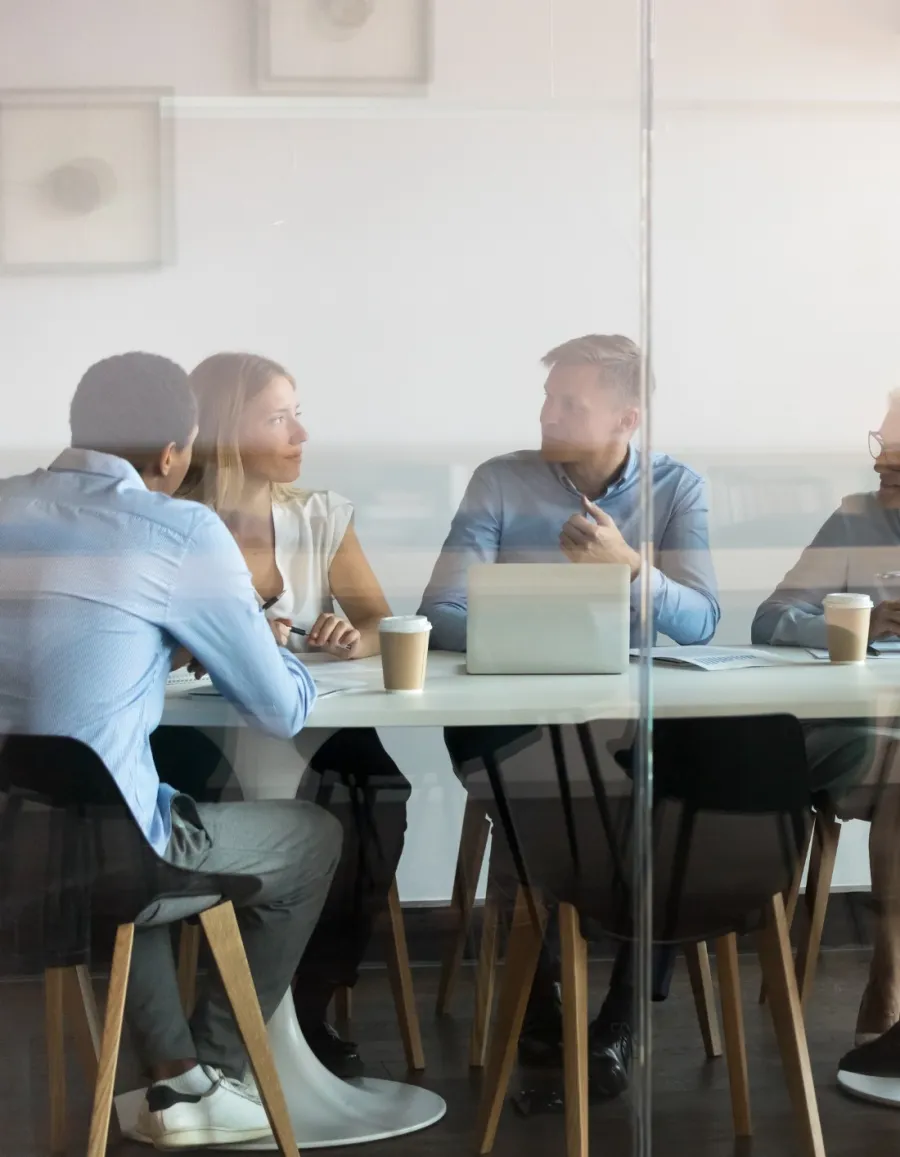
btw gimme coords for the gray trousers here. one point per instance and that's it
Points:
(291, 849)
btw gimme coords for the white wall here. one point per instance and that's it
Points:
(411, 259)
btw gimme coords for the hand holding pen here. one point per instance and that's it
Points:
(329, 633)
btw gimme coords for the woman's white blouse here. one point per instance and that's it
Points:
(309, 528)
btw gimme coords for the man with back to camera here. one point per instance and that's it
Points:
(856, 545)
(577, 500)
(102, 576)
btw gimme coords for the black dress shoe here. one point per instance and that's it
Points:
(609, 1060)
(339, 1056)
(610, 1049)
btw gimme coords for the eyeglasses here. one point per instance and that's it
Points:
(878, 446)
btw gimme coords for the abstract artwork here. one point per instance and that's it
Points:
(344, 47)
(85, 181)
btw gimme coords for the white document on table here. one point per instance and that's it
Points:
(184, 680)
(704, 658)
(879, 649)
(325, 685)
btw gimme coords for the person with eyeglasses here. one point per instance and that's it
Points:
(858, 550)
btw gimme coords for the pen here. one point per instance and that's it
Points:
(300, 631)
(293, 630)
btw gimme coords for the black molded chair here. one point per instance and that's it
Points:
(70, 850)
(470, 748)
(730, 821)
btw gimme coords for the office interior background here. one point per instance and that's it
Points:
(410, 255)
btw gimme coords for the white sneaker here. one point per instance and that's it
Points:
(228, 1113)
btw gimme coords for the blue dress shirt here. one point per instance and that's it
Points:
(100, 579)
(514, 509)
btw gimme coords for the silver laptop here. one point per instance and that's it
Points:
(548, 619)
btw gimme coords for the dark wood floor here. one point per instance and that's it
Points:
(692, 1110)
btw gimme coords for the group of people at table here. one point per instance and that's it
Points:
(154, 541)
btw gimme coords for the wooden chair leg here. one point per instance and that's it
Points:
(574, 964)
(818, 890)
(55, 1033)
(485, 978)
(787, 1016)
(343, 1007)
(84, 1018)
(697, 957)
(792, 897)
(522, 952)
(224, 937)
(188, 960)
(110, 1041)
(470, 858)
(733, 1029)
(402, 985)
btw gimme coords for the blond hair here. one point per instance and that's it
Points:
(223, 385)
(617, 358)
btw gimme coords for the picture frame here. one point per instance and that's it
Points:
(86, 181)
(344, 47)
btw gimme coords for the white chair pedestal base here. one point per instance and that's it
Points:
(326, 1111)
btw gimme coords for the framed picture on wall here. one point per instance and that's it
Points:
(344, 47)
(86, 181)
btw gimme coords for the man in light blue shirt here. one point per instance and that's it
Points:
(858, 550)
(103, 576)
(576, 501)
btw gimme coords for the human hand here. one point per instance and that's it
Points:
(335, 636)
(183, 658)
(593, 536)
(885, 620)
(281, 629)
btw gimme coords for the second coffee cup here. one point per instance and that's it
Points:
(404, 652)
(847, 618)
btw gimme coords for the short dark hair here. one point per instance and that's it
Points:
(133, 405)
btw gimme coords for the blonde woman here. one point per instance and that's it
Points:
(306, 560)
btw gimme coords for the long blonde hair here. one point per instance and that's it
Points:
(223, 385)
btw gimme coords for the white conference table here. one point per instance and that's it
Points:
(329, 1112)
(806, 687)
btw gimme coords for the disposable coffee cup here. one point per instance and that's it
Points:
(404, 653)
(847, 621)
(888, 586)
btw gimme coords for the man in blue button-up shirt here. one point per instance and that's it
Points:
(577, 501)
(103, 575)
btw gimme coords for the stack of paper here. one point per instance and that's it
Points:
(717, 658)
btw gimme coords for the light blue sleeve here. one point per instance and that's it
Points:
(793, 615)
(474, 537)
(685, 600)
(214, 613)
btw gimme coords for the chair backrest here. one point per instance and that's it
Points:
(70, 848)
(731, 810)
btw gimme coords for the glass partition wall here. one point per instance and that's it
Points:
(602, 282)
(774, 277)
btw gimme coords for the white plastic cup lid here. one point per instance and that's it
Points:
(404, 625)
(848, 600)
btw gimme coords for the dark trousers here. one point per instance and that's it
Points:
(364, 789)
(468, 747)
